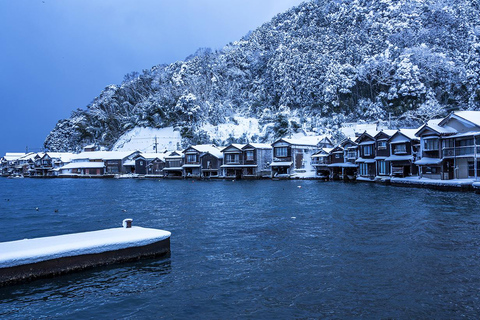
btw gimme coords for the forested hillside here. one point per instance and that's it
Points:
(321, 63)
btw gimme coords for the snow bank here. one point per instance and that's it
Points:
(15, 253)
(143, 139)
(242, 126)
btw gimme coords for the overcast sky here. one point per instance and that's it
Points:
(58, 55)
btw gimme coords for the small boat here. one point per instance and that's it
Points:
(29, 259)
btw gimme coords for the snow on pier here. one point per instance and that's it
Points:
(27, 259)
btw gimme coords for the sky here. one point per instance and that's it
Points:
(57, 55)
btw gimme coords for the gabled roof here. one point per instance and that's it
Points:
(63, 156)
(28, 156)
(363, 136)
(409, 134)
(258, 146)
(389, 133)
(434, 125)
(472, 117)
(304, 141)
(347, 141)
(233, 145)
(207, 148)
(152, 155)
(10, 156)
(103, 155)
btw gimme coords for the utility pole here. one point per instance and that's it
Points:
(156, 145)
(26, 149)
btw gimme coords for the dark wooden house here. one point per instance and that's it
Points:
(403, 147)
(366, 155)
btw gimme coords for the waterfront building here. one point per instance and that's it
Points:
(366, 155)
(342, 160)
(382, 152)
(403, 148)
(292, 156)
(173, 165)
(149, 163)
(202, 161)
(449, 147)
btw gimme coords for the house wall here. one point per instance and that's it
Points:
(141, 166)
(113, 166)
(264, 158)
(462, 165)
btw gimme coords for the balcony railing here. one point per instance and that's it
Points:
(460, 151)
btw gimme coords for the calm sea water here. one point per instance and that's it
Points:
(255, 250)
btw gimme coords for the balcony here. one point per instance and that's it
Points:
(460, 151)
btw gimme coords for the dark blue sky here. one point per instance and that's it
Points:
(57, 55)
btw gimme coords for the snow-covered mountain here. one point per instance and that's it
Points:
(311, 68)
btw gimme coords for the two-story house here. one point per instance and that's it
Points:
(173, 165)
(366, 155)
(449, 147)
(403, 146)
(342, 160)
(202, 161)
(382, 149)
(292, 156)
(150, 163)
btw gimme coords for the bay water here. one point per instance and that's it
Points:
(254, 250)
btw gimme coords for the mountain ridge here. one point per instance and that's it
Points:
(316, 66)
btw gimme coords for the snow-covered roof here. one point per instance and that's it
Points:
(409, 133)
(466, 134)
(472, 116)
(28, 156)
(428, 161)
(281, 164)
(103, 155)
(399, 158)
(433, 124)
(204, 148)
(343, 165)
(365, 160)
(235, 145)
(10, 156)
(26, 251)
(83, 165)
(260, 145)
(388, 132)
(304, 141)
(63, 156)
(151, 156)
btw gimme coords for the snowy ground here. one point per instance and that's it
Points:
(143, 139)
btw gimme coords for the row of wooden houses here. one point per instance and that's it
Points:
(442, 149)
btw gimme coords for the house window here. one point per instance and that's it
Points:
(232, 157)
(351, 154)
(250, 155)
(399, 148)
(191, 158)
(431, 170)
(141, 163)
(430, 144)
(337, 155)
(448, 143)
(367, 150)
(363, 169)
(281, 152)
(382, 145)
(174, 164)
(471, 169)
(382, 167)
